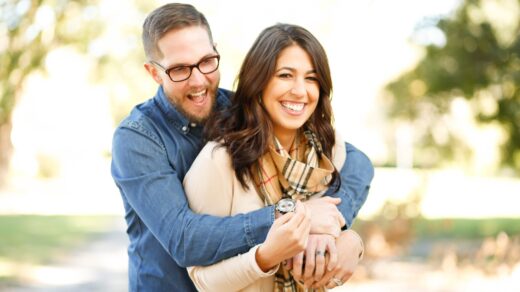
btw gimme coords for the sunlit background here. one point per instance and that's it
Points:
(427, 89)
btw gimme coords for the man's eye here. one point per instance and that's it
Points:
(179, 69)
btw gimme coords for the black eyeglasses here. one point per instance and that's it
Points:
(183, 72)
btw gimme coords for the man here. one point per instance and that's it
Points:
(155, 145)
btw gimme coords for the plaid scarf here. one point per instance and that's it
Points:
(300, 173)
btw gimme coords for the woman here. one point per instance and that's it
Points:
(276, 141)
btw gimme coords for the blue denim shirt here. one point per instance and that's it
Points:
(153, 149)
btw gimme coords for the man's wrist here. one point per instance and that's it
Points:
(257, 224)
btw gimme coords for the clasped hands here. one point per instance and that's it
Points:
(305, 242)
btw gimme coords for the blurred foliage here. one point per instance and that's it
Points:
(48, 165)
(110, 43)
(476, 57)
(121, 60)
(29, 30)
(391, 231)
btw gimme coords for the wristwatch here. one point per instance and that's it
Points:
(286, 205)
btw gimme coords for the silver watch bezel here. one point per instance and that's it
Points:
(286, 205)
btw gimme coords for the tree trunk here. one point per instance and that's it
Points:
(6, 149)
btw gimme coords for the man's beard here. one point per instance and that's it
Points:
(200, 120)
(197, 118)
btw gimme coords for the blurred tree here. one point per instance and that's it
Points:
(29, 29)
(476, 57)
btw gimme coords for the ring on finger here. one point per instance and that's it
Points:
(320, 253)
(337, 281)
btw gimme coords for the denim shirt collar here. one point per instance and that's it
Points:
(177, 119)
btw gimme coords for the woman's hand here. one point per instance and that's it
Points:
(319, 254)
(327, 219)
(350, 247)
(286, 238)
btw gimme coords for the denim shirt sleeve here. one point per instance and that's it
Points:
(152, 188)
(356, 175)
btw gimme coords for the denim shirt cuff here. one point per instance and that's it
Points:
(346, 208)
(257, 225)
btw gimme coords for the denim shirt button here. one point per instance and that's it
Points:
(184, 129)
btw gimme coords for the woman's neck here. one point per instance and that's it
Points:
(286, 138)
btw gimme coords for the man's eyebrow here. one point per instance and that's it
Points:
(212, 54)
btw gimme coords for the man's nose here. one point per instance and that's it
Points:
(197, 77)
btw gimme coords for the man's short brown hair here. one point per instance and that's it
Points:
(166, 18)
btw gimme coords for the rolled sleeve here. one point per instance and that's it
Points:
(256, 227)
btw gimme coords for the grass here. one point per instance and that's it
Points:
(465, 228)
(33, 239)
(451, 228)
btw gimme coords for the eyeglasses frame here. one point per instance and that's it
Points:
(168, 70)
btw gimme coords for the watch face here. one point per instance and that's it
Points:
(286, 205)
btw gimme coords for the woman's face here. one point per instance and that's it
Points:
(292, 93)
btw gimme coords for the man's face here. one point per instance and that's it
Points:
(194, 97)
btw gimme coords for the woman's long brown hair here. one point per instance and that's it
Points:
(245, 128)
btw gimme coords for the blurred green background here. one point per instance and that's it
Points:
(429, 90)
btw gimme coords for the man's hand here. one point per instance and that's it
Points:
(327, 218)
(320, 253)
(287, 237)
(350, 251)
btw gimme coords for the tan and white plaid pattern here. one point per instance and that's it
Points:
(299, 174)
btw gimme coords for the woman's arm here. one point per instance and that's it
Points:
(212, 173)
(232, 274)
(209, 189)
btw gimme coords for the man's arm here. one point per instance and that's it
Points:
(356, 174)
(151, 186)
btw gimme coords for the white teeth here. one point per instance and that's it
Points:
(293, 106)
(196, 94)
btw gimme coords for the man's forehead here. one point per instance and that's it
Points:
(186, 45)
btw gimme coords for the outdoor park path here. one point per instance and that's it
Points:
(98, 265)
